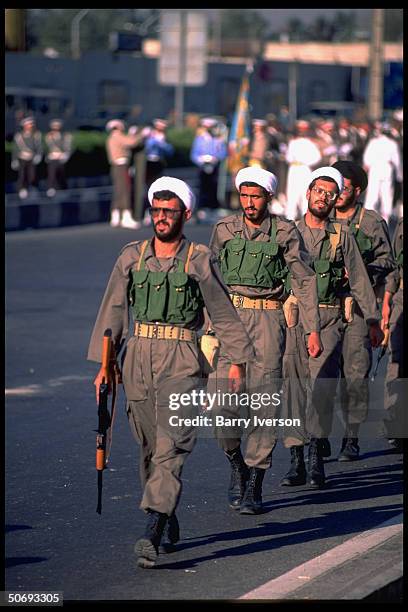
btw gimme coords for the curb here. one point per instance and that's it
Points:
(366, 567)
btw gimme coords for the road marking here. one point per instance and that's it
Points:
(50, 384)
(295, 578)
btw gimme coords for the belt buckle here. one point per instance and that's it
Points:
(155, 330)
(240, 301)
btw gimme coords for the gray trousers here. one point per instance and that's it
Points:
(311, 381)
(356, 363)
(121, 187)
(152, 371)
(395, 421)
(267, 330)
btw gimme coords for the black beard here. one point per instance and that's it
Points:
(320, 214)
(177, 228)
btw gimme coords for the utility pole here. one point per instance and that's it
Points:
(75, 39)
(293, 80)
(376, 80)
(179, 97)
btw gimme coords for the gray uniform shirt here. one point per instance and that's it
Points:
(287, 236)
(375, 228)
(393, 279)
(347, 251)
(115, 307)
(27, 146)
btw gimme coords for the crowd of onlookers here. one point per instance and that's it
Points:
(290, 151)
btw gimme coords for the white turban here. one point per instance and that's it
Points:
(254, 174)
(330, 172)
(180, 188)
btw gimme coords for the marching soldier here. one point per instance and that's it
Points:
(341, 275)
(371, 234)
(59, 147)
(259, 144)
(157, 150)
(256, 250)
(165, 282)
(27, 154)
(393, 320)
(119, 146)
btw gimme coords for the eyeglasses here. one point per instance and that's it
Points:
(330, 195)
(172, 213)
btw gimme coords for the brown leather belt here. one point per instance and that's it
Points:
(164, 332)
(241, 301)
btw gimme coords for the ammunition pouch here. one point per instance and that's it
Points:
(347, 308)
(291, 311)
(209, 350)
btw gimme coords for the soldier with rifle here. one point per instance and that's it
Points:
(165, 282)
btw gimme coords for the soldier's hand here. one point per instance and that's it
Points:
(236, 378)
(386, 312)
(100, 378)
(314, 345)
(376, 334)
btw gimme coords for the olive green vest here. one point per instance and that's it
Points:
(400, 258)
(364, 243)
(164, 297)
(253, 263)
(329, 272)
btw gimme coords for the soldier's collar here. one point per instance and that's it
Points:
(265, 226)
(181, 252)
(329, 227)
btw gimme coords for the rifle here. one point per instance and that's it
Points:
(381, 352)
(105, 418)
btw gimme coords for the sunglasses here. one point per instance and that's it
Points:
(168, 212)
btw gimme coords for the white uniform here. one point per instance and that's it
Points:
(302, 153)
(381, 157)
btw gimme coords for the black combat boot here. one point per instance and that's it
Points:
(252, 500)
(239, 478)
(325, 447)
(171, 535)
(147, 547)
(297, 471)
(316, 464)
(350, 450)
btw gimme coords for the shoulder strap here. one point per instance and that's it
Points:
(360, 218)
(273, 230)
(190, 252)
(142, 252)
(334, 241)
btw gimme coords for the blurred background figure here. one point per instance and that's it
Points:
(59, 148)
(302, 155)
(118, 147)
(207, 152)
(157, 151)
(276, 160)
(382, 162)
(259, 145)
(326, 141)
(26, 155)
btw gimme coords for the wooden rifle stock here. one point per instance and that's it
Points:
(104, 418)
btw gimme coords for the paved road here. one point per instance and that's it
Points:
(54, 538)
